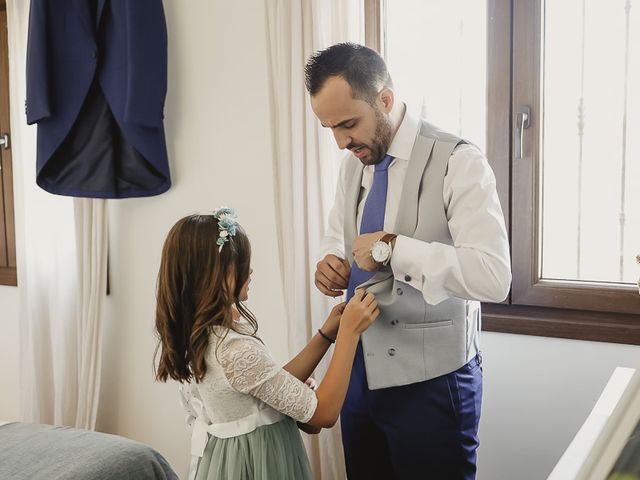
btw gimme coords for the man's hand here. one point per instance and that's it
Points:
(362, 251)
(332, 275)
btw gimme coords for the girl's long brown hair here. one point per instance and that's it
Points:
(193, 294)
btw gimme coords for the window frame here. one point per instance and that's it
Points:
(528, 288)
(534, 306)
(8, 271)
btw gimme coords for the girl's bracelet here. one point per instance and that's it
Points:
(326, 337)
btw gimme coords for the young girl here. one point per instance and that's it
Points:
(241, 406)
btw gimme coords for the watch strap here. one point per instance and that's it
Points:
(388, 237)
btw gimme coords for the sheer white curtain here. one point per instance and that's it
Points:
(306, 162)
(62, 263)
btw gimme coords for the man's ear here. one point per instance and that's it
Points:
(387, 99)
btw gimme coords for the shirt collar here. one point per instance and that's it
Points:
(403, 141)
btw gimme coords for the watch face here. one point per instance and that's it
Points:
(380, 252)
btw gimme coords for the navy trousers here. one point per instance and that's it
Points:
(425, 431)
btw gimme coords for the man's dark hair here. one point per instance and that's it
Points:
(360, 66)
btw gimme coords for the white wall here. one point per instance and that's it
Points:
(537, 390)
(537, 393)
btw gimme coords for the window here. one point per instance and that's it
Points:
(551, 92)
(7, 224)
(454, 91)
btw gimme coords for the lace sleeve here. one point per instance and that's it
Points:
(249, 368)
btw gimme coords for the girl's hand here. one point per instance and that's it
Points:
(360, 313)
(332, 323)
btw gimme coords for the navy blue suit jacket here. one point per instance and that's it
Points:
(126, 57)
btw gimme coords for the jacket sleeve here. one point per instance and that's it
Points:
(146, 63)
(37, 105)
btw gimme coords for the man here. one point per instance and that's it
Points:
(417, 222)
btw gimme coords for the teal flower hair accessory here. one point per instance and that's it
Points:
(227, 225)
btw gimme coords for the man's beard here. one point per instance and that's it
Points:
(382, 139)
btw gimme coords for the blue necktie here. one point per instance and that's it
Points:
(372, 218)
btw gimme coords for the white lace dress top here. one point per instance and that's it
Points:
(242, 390)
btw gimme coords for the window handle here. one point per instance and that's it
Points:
(638, 262)
(4, 141)
(522, 122)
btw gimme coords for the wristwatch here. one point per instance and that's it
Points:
(381, 250)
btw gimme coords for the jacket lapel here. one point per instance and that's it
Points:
(100, 9)
(83, 11)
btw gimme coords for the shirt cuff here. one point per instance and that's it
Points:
(403, 263)
(408, 260)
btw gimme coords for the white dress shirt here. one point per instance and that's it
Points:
(477, 266)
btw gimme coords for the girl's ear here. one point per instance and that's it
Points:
(230, 282)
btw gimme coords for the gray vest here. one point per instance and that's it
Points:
(412, 341)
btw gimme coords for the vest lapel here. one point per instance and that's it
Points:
(407, 218)
(351, 196)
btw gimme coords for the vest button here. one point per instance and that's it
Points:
(399, 291)
(407, 278)
(391, 352)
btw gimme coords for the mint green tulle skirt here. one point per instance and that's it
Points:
(270, 452)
